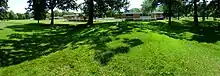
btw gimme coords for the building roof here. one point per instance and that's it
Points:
(133, 13)
(142, 13)
(157, 13)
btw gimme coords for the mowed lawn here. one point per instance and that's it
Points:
(109, 49)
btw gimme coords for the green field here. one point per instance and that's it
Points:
(109, 49)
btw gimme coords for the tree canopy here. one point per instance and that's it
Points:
(38, 8)
(3, 8)
(135, 10)
(100, 8)
(60, 4)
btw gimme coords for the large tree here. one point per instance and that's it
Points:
(27, 15)
(204, 9)
(91, 11)
(3, 8)
(135, 10)
(38, 8)
(100, 7)
(60, 4)
(148, 6)
(57, 13)
(214, 8)
(196, 21)
(169, 5)
(12, 15)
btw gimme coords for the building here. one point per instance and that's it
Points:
(75, 17)
(141, 16)
(58, 18)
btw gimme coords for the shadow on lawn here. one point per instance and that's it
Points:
(208, 31)
(37, 40)
(46, 39)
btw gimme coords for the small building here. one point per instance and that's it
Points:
(158, 15)
(58, 18)
(75, 17)
(141, 16)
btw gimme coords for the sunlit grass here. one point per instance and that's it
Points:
(125, 48)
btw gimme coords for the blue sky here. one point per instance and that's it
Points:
(19, 6)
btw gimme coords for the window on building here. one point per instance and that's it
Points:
(129, 14)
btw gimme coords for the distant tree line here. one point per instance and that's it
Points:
(101, 8)
(59, 13)
(3, 9)
(178, 8)
(17, 16)
(91, 8)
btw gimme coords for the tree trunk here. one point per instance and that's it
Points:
(170, 12)
(195, 13)
(178, 18)
(178, 14)
(52, 17)
(203, 10)
(91, 10)
(38, 21)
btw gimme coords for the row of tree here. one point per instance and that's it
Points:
(3, 8)
(91, 8)
(10, 15)
(16, 16)
(99, 8)
(177, 8)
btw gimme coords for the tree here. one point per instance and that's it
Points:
(27, 15)
(21, 16)
(57, 13)
(38, 8)
(214, 8)
(110, 13)
(3, 8)
(170, 11)
(147, 6)
(196, 21)
(91, 12)
(12, 15)
(100, 8)
(166, 3)
(60, 4)
(203, 10)
(135, 10)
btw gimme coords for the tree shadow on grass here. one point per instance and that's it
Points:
(104, 53)
(23, 46)
(27, 44)
(208, 31)
(29, 27)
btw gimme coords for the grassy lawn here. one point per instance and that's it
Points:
(109, 49)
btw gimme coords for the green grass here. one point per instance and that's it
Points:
(123, 48)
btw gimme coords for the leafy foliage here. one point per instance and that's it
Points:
(100, 8)
(3, 8)
(38, 8)
(135, 10)
(214, 8)
(118, 48)
(60, 4)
